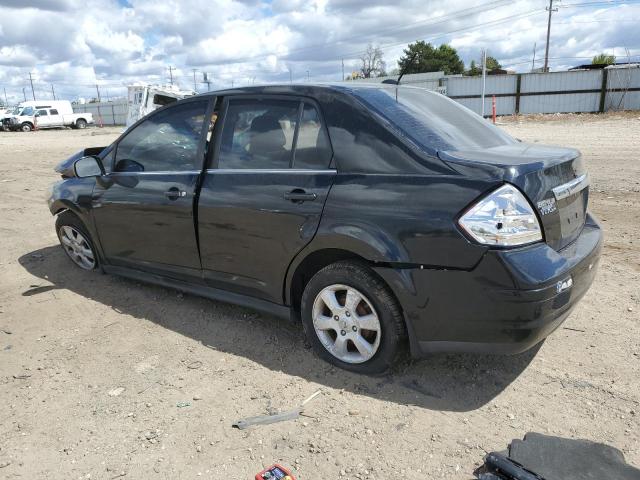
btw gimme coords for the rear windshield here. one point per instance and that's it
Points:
(432, 121)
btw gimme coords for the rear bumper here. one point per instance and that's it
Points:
(508, 303)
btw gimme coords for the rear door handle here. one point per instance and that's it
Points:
(298, 195)
(174, 193)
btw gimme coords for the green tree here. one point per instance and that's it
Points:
(475, 69)
(603, 59)
(420, 57)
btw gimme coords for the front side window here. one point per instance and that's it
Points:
(166, 141)
(258, 134)
(27, 111)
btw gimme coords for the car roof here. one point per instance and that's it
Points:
(309, 89)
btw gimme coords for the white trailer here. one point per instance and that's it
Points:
(145, 98)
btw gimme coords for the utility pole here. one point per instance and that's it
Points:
(171, 74)
(205, 78)
(290, 75)
(195, 89)
(6, 102)
(533, 62)
(33, 92)
(342, 79)
(484, 76)
(53, 92)
(308, 76)
(550, 9)
(100, 123)
(24, 94)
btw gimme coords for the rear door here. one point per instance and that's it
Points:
(143, 208)
(262, 199)
(55, 119)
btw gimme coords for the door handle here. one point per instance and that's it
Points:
(174, 193)
(298, 195)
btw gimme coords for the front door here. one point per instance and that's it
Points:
(262, 203)
(143, 208)
(43, 119)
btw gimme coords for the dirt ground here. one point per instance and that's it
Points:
(102, 377)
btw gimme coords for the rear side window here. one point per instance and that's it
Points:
(258, 134)
(430, 120)
(312, 148)
(166, 141)
(53, 111)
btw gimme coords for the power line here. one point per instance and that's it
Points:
(425, 23)
(600, 3)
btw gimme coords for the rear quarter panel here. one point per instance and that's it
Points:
(401, 218)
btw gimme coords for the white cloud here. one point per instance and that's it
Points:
(76, 43)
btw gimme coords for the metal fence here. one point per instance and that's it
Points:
(555, 92)
(107, 113)
(558, 92)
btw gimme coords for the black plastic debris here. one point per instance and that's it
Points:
(543, 457)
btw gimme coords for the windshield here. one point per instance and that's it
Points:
(16, 111)
(432, 121)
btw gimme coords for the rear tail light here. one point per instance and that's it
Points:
(503, 218)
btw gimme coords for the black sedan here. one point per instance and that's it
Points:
(374, 214)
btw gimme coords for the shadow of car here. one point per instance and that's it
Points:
(454, 382)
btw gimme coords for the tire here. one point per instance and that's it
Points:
(343, 282)
(26, 127)
(76, 241)
(81, 123)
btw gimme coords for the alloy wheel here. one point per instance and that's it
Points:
(346, 323)
(77, 247)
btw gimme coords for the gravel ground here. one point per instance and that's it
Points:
(102, 377)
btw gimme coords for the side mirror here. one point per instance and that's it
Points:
(90, 166)
(37, 114)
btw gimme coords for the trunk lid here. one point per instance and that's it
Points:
(553, 179)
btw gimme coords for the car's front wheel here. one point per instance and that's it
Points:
(352, 319)
(76, 241)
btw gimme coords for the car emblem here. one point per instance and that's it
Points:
(563, 285)
(547, 206)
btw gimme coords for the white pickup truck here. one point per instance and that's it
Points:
(45, 114)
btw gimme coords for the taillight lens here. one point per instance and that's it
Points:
(503, 218)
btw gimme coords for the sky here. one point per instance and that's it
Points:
(76, 44)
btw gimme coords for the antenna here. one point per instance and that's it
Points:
(390, 81)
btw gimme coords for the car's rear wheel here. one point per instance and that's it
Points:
(81, 123)
(76, 241)
(352, 319)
